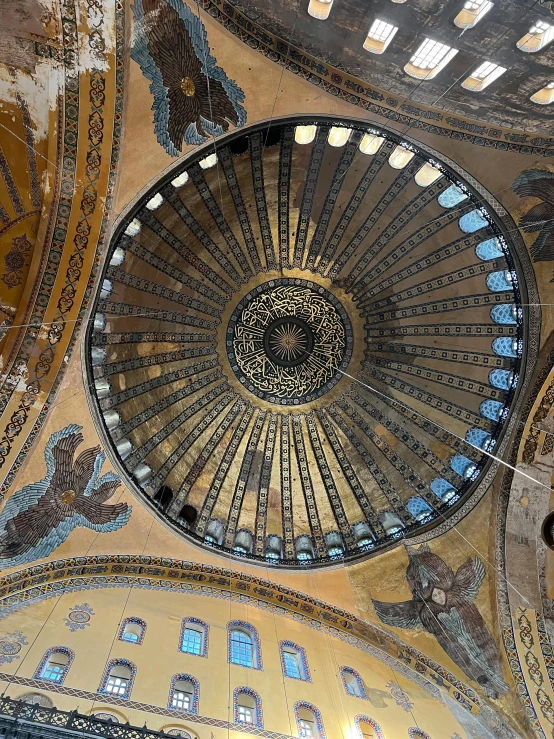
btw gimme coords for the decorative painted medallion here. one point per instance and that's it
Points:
(10, 646)
(289, 340)
(193, 98)
(79, 617)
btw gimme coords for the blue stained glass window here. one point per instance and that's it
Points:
(128, 636)
(419, 508)
(489, 249)
(501, 378)
(443, 489)
(53, 672)
(462, 465)
(292, 668)
(451, 197)
(473, 221)
(504, 314)
(192, 641)
(497, 282)
(504, 346)
(491, 409)
(242, 651)
(479, 438)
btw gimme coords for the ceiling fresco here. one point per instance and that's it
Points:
(277, 339)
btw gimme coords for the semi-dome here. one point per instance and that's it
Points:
(306, 337)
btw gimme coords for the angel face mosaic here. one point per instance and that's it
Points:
(288, 327)
(289, 340)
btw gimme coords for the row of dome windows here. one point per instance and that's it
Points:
(433, 56)
(184, 692)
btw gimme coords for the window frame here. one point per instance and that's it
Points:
(362, 718)
(302, 660)
(204, 629)
(185, 678)
(125, 623)
(345, 670)
(249, 630)
(298, 706)
(428, 73)
(102, 688)
(42, 665)
(258, 721)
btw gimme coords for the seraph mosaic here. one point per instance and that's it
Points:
(538, 183)
(40, 517)
(442, 604)
(193, 97)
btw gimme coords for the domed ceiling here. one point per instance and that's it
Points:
(296, 337)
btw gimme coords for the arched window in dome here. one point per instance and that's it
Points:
(544, 96)
(184, 693)
(194, 637)
(473, 221)
(489, 249)
(367, 728)
(243, 542)
(304, 548)
(308, 721)
(294, 661)
(491, 409)
(443, 489)
(501, 378)
(273, 548)
(363, 535)
(504, 346)
(244, 645)
(463, 466)
(132, 630)
(248, 707)
(334, 544)
(498, 282)
(479, 438)
(320, 9)
(420, 509)
(427, 175)
(472, 13)
(452, 196)
(391, 523)
(504, 315)
(353, 683)
(539, 35)
(214, 532)
(118, 678)
(55, 665)
(430, 57)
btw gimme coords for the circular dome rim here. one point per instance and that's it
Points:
(476, 488)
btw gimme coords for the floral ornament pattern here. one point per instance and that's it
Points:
(401, 698)
(15, 261)
(10, 646)
(538, 183)
(79, 617)
(40, 517)
(193, 98)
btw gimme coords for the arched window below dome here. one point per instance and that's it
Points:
(444, 489)
(501, 378)
(194, 637)
(248, 707)
(368, 728)
(132, 630)
(55, 665)
(504, 315)
(491, 409)
(184, 693)
(353, 683)
(498, 282)
(244, 645)
(463, 466)
(308, 721)
(480, 438)
(473, 221)
(489, 249)
(118, 678)
(294, 661)
(451, 197)
(36, 699)
(504, 346)
(420, 509)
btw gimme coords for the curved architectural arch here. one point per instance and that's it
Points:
(362, 718)
(55, 664)
(415, 733)
(244, 645)
(132, 630)
(180, 699)
(118, 678)
(298, 667)
(353, 683)
(252, 714)
(307, 712)
(194, 636)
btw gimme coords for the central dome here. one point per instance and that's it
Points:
(289, 340)
(305, 340)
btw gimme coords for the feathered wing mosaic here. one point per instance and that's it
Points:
(442, 604)
(538, 183)
(193, 98)
(40, 517)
